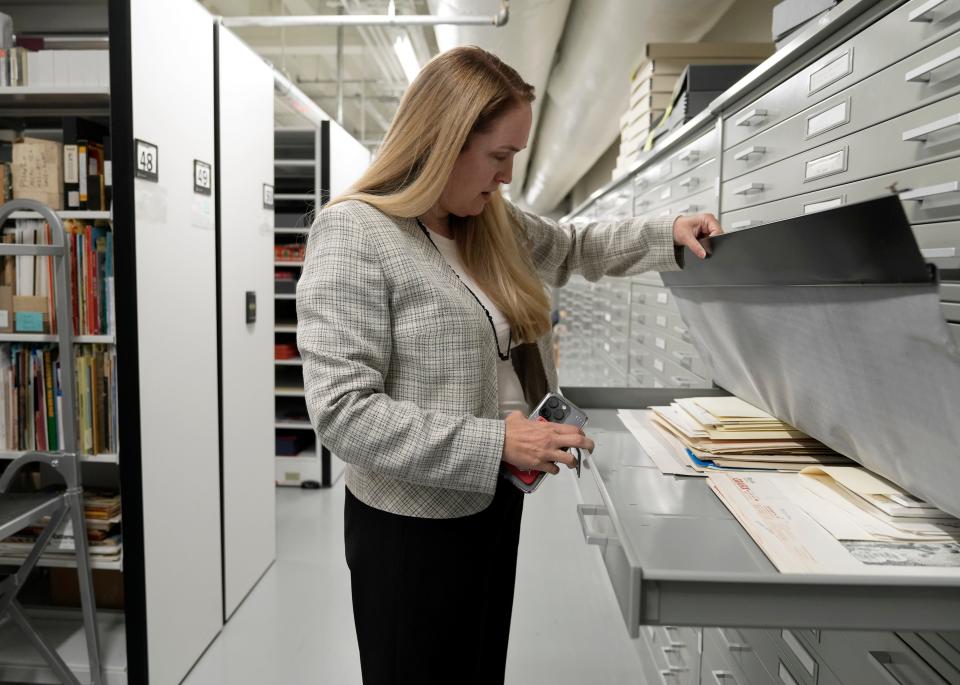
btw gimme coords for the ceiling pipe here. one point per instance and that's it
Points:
(395, 20)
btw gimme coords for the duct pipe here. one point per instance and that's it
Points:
(296, 99)
(589, 88)
(396, 20)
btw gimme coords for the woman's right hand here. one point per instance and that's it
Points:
(540, 445)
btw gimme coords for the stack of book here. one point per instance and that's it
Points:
(31, 397)
(104, 535)
(20, 66)
(726, 432)
(652, 84)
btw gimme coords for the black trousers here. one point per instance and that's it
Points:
(432, 598)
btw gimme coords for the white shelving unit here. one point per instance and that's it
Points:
(44, 338)
(106, 458)
(298, 171)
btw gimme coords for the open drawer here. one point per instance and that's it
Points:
(676, 556)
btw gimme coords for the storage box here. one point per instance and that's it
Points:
(38, 171)
(31, 314)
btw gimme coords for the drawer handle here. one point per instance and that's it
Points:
(685, 358)
(723, 677)
(884, 661)
(752, 117)
(589, 536)
(749, 189)
(667, 651)
(683, 333)
(681, 382)
(669, 677)
(745, 154)
(689, 209)
(748, 223)
(922, 13)
(732, 646)
(689, 156)
(922, 74)
(921, 133)
(689, 182)
(927, 192)
(673, 642)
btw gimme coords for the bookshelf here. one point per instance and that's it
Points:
(299, 168)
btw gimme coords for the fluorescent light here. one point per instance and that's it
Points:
(408, 58)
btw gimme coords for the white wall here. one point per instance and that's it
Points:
(246, 264)
(176, 302)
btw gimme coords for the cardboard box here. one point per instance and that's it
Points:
(6, 309)
(107, 588)
(31, 314)
(38, 171)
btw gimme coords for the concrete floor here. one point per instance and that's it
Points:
(296, 627)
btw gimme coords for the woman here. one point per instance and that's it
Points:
(424, 326)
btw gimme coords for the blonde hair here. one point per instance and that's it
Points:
(457, 94)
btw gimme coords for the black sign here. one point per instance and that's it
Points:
(147, 162)
(202, 177)
(267, 196)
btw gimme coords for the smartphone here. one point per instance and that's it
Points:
(555, 409)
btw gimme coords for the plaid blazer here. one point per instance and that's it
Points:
(399, 364)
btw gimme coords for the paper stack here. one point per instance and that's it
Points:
(726, 432)
(840, 520)
(652, 84)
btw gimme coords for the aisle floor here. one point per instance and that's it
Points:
(296, 627)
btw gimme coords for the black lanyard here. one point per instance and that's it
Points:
(493, 327)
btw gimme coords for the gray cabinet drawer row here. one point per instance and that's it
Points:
(683, 160)
(885, 42)
(674, 193)
(883, 96)
(758, 657)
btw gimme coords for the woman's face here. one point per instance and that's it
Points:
(486, 163)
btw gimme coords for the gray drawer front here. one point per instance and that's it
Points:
(718, 668)
(744, 654)
(917, 211)
(955, 331)
(691, 155)
(699, 181)
(779, 658)
(705, 201)
(648, 200)
(673, 651)
(951, 311)
(883, 43)
(883, 96)
(867, 658)
(950, 292)
(651, 295)
(658, 365)
(877, 150)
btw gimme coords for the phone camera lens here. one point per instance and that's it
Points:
(557, 415)
(553, 402)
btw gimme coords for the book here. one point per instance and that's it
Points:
(37, 171)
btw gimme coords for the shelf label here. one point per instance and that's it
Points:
(267, 196)
(658, 365)
(202, 177)
(147, 163)
(812, 207)
(834, 163)
(662, 321)
(661, 344)
(662, 298)
(71, 164)
(837, 115)
(831, 72)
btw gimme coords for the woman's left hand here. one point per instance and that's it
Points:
(694, 231)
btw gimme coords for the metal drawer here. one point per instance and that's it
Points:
(649, 201)
(951, 311)
(867, 658)
(718, 668)
(705, 201)
(680, 353)
(741, 652)
(938, 653)
(939, 243)
(950, 292)
(652, 295)
(884, 42)
(779, 658)
(670, 374)
(877, 150)
(699, 181)
(688, 157)
(920, 180)
(882, 96)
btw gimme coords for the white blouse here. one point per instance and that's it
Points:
(509, 390)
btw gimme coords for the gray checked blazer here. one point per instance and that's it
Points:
(399, 363)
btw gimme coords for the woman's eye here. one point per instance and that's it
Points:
(500, 158)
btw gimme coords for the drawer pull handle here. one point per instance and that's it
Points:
(752, 117)
(673, 642)
(689, 182)
(938, 252)
(723, 677)
(740, 225)
(922, 74)
(884, 660)
(921, 133)
(681, 382)
(589, 536)
(667, 651)
(689, 209)
(745, 154)
(690, 156)
(669, 677)
(749, 189)
(685, 358)
(922, 13)
(921, 194)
